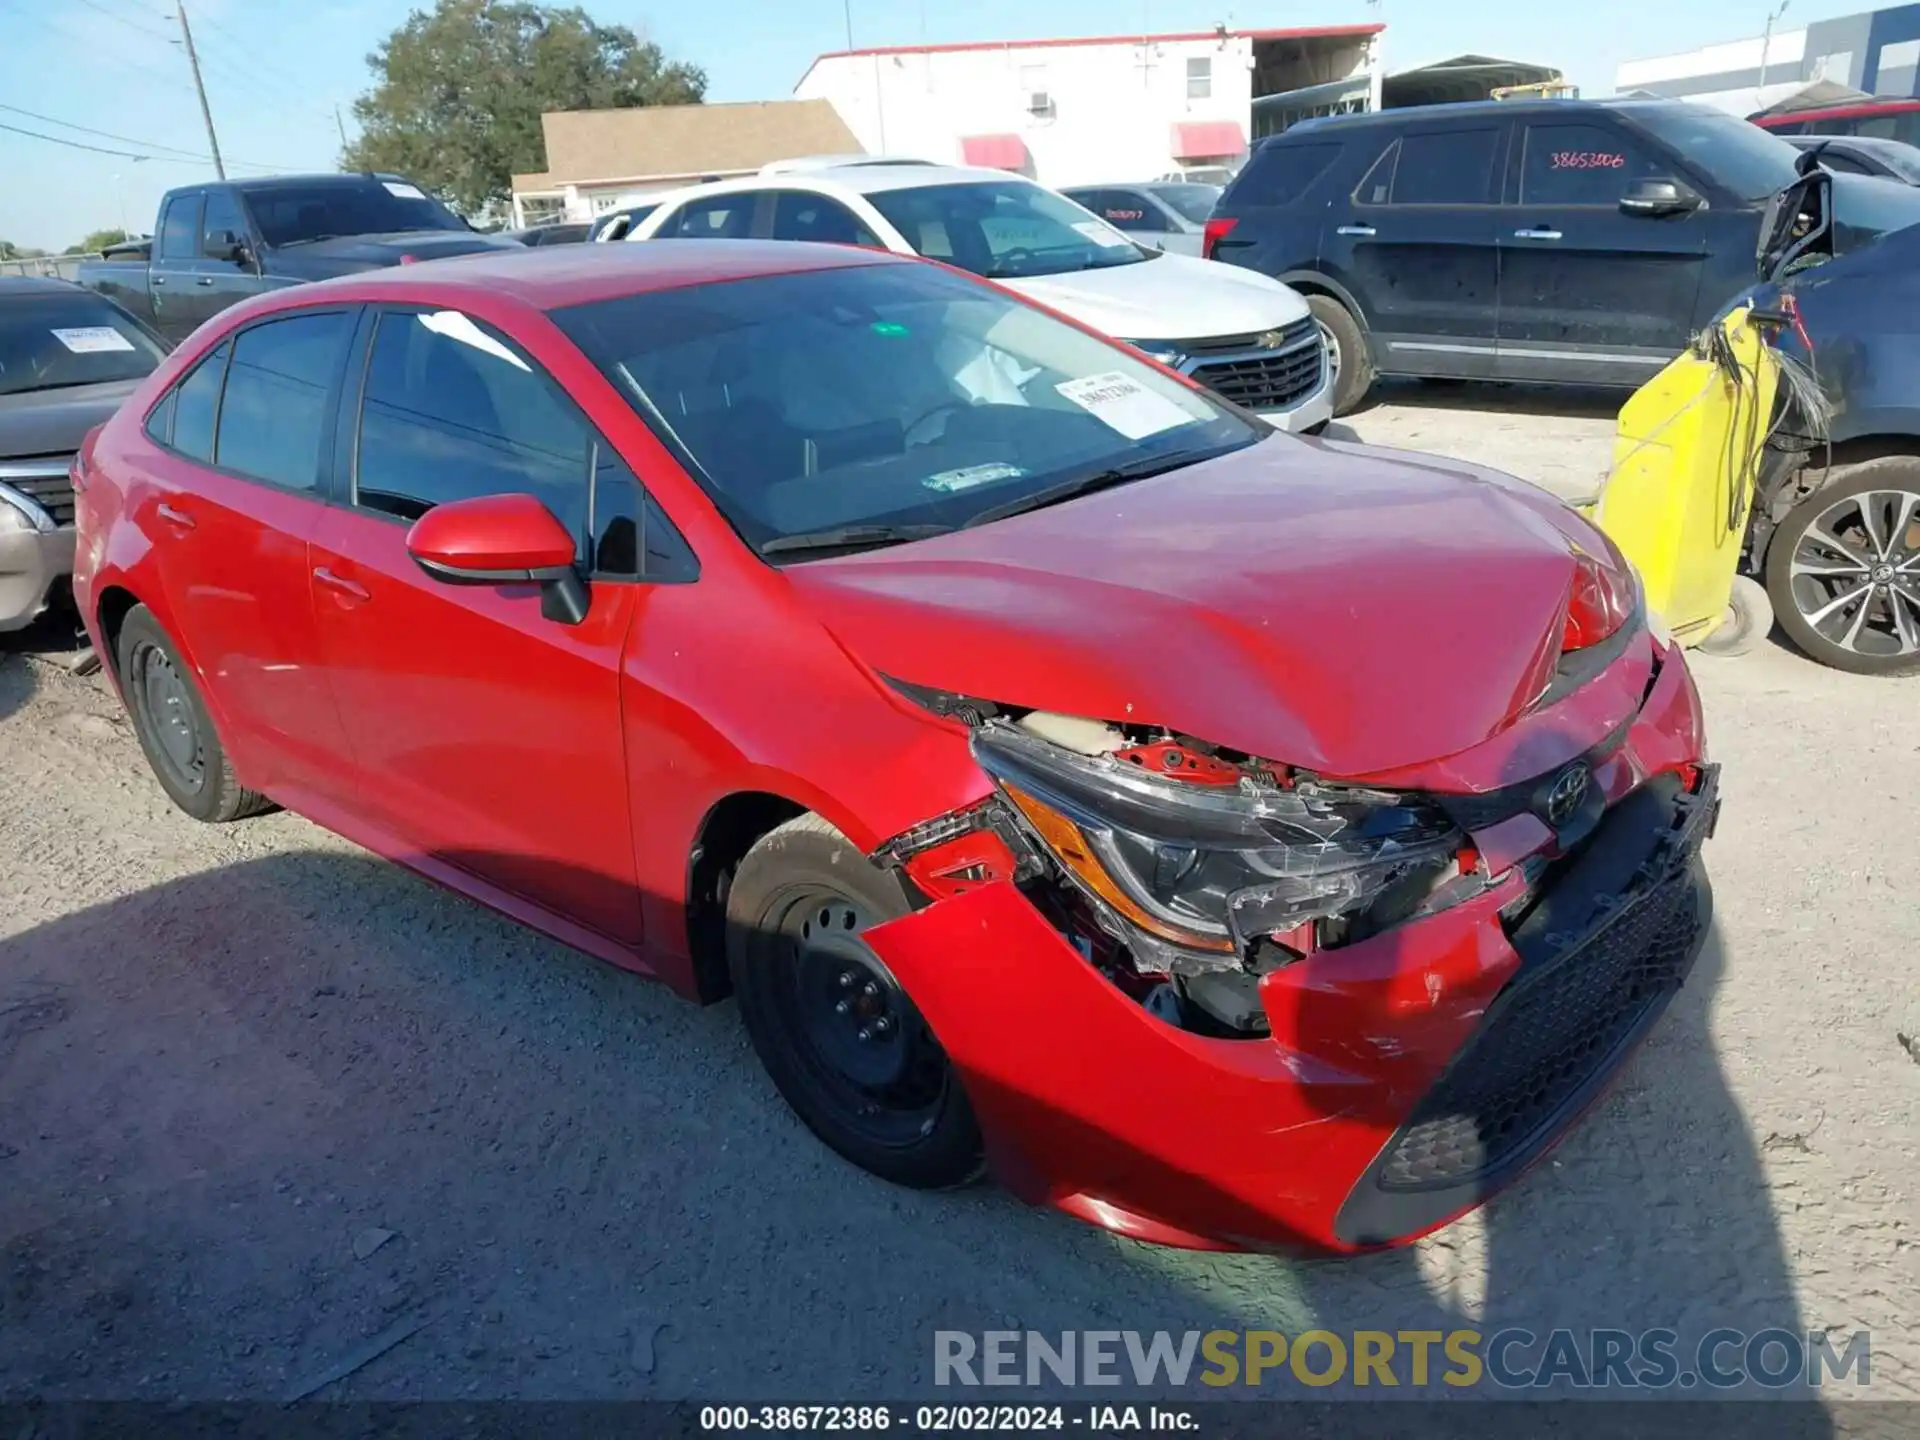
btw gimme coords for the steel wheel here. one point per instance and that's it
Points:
(863, 1048)
(1855, 574)
(167, 707)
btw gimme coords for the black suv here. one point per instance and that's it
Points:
(1548, 240)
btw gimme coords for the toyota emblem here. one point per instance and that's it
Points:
(1563, 799)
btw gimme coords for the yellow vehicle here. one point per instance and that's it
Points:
(1686, 454)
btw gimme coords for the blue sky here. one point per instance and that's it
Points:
(276, 68)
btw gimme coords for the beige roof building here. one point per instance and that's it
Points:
(598, 158)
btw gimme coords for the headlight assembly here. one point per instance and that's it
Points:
(1167, 352)
(1208, 867)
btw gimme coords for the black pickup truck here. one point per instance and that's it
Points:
(215, 245)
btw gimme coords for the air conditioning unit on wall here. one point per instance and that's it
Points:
(1040, 105)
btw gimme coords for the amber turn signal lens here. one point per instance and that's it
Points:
(1070, 847)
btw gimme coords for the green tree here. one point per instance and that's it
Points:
(96, 241)
(11, 251)
(458, 93)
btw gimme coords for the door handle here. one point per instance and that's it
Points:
(341, 584)
(204, 280)
(179, 519)
(157, 279)
(1536, 234)
(1356, 230)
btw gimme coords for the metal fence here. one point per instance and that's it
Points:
(59, 267)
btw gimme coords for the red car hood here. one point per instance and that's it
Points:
(1328, 606)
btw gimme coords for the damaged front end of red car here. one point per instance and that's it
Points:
(1239, 1004)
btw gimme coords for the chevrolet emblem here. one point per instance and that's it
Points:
(1270, 339)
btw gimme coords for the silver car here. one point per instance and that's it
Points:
(1159, 214)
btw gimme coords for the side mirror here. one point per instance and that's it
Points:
(1659, 197)
(229, 246)
(502, 540)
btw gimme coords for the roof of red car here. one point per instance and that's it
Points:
(551, 277)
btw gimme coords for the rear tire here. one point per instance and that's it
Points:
(1749, 620)
(838, 1035)
(1843, 569)
(1347, 352)
(174, 727)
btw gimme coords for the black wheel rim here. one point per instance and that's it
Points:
(864, 1052)
(1855, 574)
(166, 707)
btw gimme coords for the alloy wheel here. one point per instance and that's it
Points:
(1332, 348)
(1855, 574)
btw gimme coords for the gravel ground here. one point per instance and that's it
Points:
(263, 1098)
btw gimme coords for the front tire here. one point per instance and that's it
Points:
(174, 727)
(1843, 569)
(1347, 352)
(839, 1036)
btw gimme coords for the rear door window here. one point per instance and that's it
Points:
(1278, 174)
(1581, 165)
(180, 229)
(279, 393)
(799, 215)
(720, 217)
(1444, 167)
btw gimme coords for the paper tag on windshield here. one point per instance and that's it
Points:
(948, 481)
(400, 190)
(1124, 404)
(1098, 233)
(92, 339)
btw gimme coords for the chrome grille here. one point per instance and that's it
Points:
(45, 480)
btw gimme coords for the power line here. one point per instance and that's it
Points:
(120, 19)
(104, 134)
(176, 150)
(99, 149)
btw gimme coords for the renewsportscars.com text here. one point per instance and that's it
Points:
(1512, 1359)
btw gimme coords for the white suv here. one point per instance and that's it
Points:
(1244, 336)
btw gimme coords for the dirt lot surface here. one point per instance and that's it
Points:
(264, 1099)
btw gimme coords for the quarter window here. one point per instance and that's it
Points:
(196, 405)
(1580, 165)
(452, 411)
(1444, 167)
(180, 228)
(279, 383)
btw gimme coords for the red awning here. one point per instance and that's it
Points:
(1206, 139)
(995, 152)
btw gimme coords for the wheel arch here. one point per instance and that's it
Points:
(1825, 466)
(1318, 282)
(732, 826)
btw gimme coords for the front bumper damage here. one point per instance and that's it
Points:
(1405, 1078)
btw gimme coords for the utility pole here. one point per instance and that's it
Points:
(846, 9)
(1766, 49)
(341, 126)
(193, 61)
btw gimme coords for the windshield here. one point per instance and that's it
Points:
(1191, 202)
(1741, 156)
(50, 342)
(1004, 229)
(290, 214)
(893, 396)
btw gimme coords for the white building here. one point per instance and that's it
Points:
(1072, 112)
(1875, 51)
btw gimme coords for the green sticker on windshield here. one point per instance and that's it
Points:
(888, 327)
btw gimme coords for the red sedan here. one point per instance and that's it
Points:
(1230, 839)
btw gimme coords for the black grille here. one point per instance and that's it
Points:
(1549, 1034)
(1267, 382)
(54, 492)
